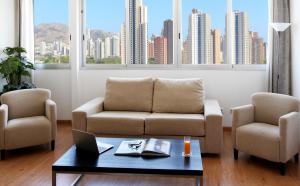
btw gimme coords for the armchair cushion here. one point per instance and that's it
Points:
(117, 123)
(29, 131)
(25, 103)
(269, 107)
(175, 124)
(259, 139)
(128, 94)
(184, 96)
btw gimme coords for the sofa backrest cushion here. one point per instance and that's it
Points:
(178, 96)
(26, 102)
(129, 94)
(269, 107)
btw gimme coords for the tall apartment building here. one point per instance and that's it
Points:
(107, 49)
(123, 43)
(90, 48)
(150, 49)
(161, 50)
(216, 46)
(136, 32)
(258, 55)
(199, 38)
(115, 46)
(99, 49)
(241, 38)
(168, 33)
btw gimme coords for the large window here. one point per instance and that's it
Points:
(51, 32)
(250, 23)
(208, 32)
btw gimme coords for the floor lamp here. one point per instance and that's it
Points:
(279, 28)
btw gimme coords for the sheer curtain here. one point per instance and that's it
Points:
(27, 27)
(280, 67)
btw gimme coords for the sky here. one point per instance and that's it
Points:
(108, 15)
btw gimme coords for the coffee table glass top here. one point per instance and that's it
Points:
(176, 164)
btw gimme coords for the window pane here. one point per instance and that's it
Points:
(129, 32)
(105, 43)
(250, 22)
(160, 31)
(203, 31)
(51, 45)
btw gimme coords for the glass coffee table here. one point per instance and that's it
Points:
(73, 162)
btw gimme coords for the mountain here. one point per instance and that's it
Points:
(59, 32)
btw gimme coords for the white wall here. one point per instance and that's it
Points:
(295, 19)
(8, 28)
(59, 82)
(231, 88)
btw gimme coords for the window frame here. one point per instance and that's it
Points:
(54, 66)
(177, 46)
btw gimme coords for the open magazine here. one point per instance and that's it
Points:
(143, 147)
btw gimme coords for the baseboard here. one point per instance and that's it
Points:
(64, 122)
(228, 129)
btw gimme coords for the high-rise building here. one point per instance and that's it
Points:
(199, 38)
(258, 55)
(90, 48)
(216, 46)
(99, 49)
(161, 50)
(123, 43)
(43, 48)
(150, 49)
(241, 38)
(185, 47)
(107, 51)
(136, 32)
(168, 33)
(115, 46)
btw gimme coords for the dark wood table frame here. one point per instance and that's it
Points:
(73, 162)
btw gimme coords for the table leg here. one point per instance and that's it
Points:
(77, 180)
(199, 180)
(53, 178)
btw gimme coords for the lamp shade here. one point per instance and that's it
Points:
(280, 27)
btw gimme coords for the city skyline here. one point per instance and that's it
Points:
(204, 43)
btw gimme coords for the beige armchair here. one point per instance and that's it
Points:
(27, 118)
(268, 128)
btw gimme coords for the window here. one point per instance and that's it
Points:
(51, 32)
(188, 32)
(250, 22)
(104, 32)
(203, 31)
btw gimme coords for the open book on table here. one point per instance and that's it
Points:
(144, 147)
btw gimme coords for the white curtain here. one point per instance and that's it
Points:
(27, 28)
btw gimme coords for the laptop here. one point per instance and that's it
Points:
(85, 141)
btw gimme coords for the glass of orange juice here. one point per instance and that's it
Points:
(187, 146)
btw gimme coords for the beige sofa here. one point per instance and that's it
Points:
(154, 107)
(267, 128)
(27, 118)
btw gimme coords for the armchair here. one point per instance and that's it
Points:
(267, 128)
(27, 118)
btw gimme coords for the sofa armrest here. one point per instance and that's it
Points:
(242, 115)
(79, 115)
(213, 126)
(51, 114)
(3, 123)
(289, 135)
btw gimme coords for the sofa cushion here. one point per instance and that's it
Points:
(269, 107)
(266, 135)
(171, 124)
(124, 94)
(25, 132)
(178, 96)
(117, 122)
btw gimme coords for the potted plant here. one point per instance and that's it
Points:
(15, 69)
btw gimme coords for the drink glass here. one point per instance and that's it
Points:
(187, 146)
